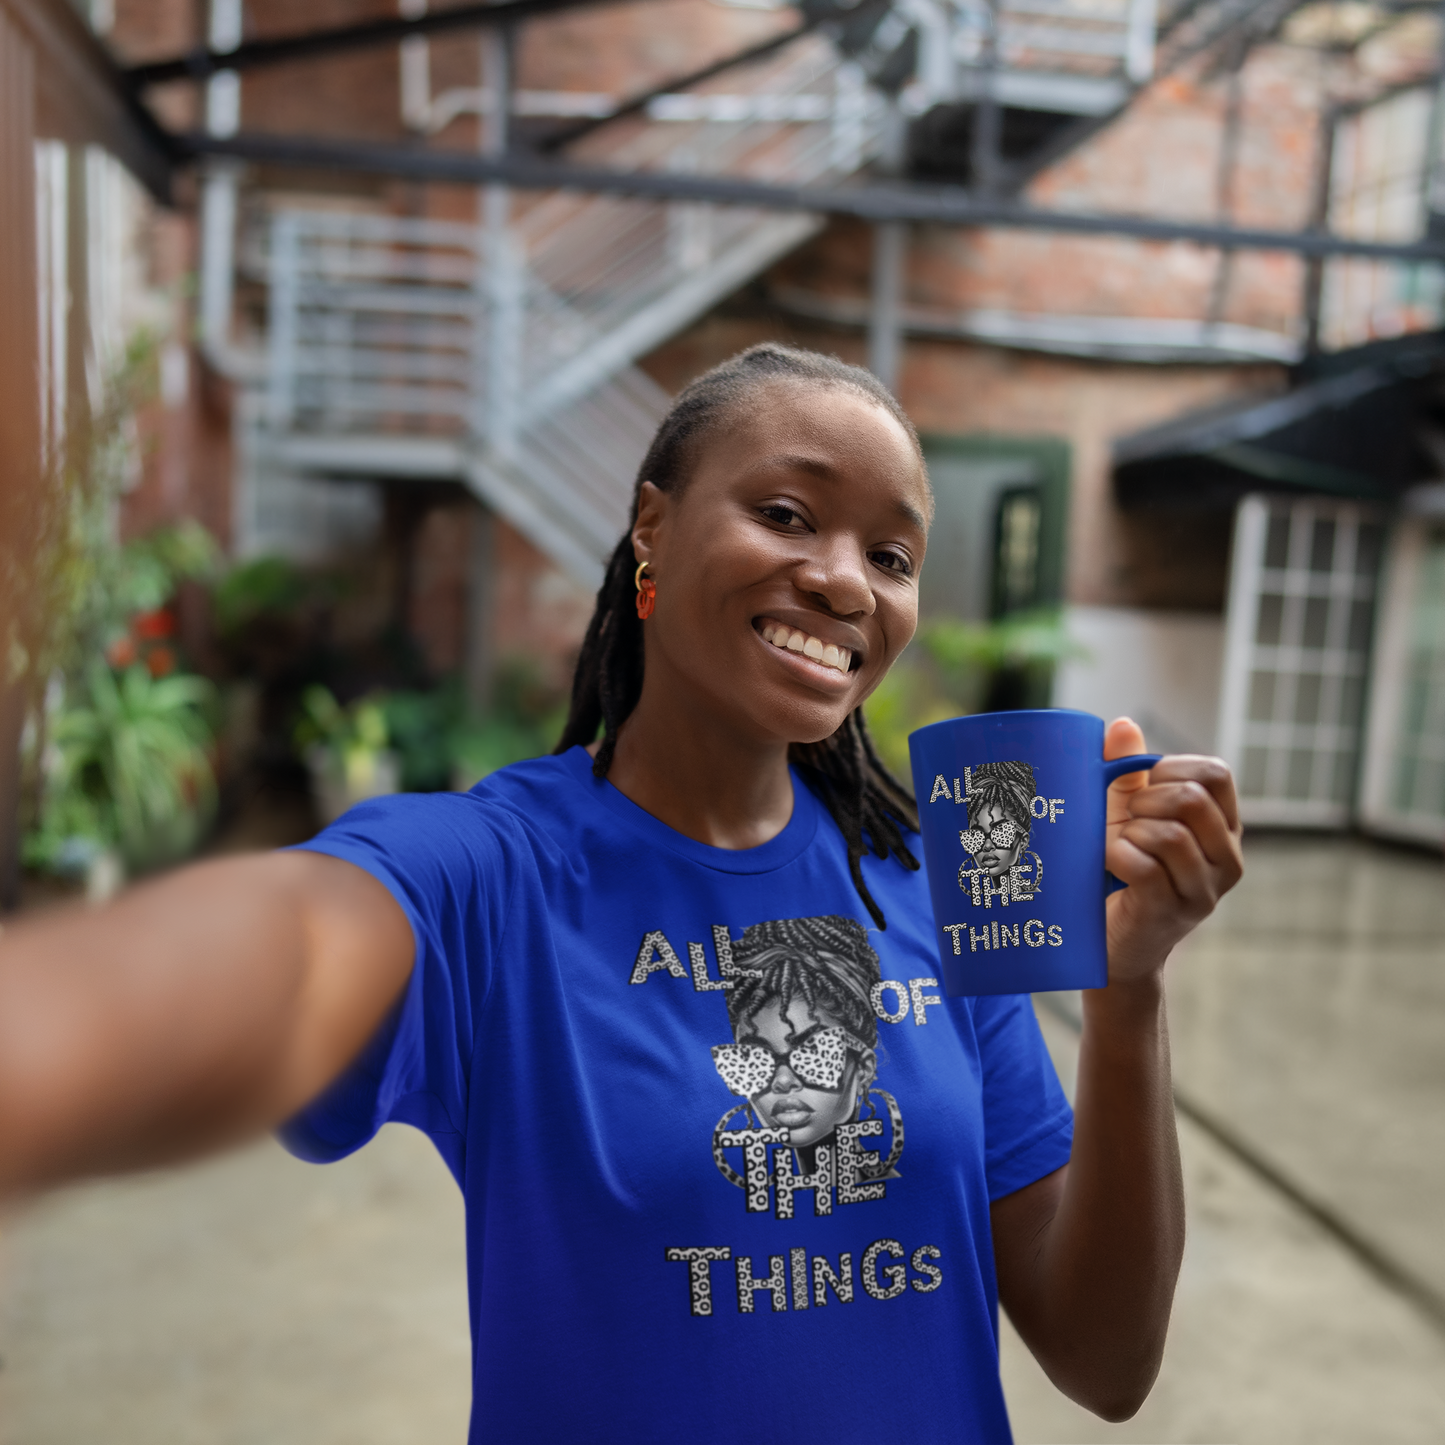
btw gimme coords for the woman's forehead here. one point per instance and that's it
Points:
(832, 432)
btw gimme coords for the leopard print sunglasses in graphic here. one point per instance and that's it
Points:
(819, 1062)
(1001, 835)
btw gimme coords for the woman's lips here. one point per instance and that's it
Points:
(791, 1115)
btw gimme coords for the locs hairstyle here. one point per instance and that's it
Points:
(844, 770)
(827, 962)
(1007, 786)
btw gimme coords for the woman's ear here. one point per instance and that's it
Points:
(653, 506)
(867, 1069)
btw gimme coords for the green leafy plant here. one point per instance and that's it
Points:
(957, 667)
(128, 770)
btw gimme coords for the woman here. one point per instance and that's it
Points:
(504, 969)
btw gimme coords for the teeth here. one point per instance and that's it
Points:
(795, 640)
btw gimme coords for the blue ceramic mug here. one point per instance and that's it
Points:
(1012, 807)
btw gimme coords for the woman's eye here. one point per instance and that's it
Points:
(783, 515)
(894, 561)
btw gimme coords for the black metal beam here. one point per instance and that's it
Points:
(200, 63)
(878, 201)
(565, 135)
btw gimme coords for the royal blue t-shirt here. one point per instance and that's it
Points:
(684, 1226)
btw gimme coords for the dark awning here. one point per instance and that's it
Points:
(1361, 423)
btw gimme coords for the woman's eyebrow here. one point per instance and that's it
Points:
(907, 509)
(818, 467)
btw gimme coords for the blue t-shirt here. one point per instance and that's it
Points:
(727, 1149)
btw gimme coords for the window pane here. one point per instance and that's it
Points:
(1276, 540)
(1352, 698)
(1361, 617)
(1322, 545)
(1317, 614)
(1342, 784)
(1307, 698)
(1261, 696)
(1297, 782)
(1255, 762)
(1271, 613)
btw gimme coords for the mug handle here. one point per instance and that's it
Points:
(1116, 768)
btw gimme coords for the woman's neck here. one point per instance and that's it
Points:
(692, 770)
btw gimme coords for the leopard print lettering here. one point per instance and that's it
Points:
(842, 1282)
(820, 1181)
(699, 1284)
(922, 1254)
(897, 1275)
(854, 1162)
(646, 965)
(900, 992)
(799, 1258)
(700, 981)
(777, 1282)
(754, 1144)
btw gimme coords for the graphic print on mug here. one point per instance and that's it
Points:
(1001, 794)
(803, 1006)
(1000, 798)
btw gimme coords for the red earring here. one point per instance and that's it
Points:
(646, 592)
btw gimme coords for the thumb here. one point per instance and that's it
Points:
(1122, 738)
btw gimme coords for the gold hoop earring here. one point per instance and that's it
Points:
(646, 591)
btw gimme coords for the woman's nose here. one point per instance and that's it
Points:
(785, 1081)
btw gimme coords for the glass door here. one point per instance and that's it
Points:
(1297, 649)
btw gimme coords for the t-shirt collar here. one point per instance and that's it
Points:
(797, 834)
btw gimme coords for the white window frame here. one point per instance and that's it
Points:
(1243, 654)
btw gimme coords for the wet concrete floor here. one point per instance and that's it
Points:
(259, 1301)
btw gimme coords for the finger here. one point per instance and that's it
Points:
(1212, 774)
(1195, 806)
(1122, 739)
(1175, 848)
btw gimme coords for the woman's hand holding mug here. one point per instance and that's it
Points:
(1173, 836)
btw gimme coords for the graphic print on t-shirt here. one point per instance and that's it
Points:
(804, 1002)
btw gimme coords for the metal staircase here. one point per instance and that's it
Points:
(501, 354)
(502, 357)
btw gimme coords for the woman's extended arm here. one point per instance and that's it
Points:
(191, 1012)
(1088, 1256)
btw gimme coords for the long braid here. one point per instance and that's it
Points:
(867, 802)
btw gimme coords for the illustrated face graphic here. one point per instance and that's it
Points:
(1000, 841)
(808, 1111)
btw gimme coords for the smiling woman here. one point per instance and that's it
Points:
(523, 972)
(783, 500)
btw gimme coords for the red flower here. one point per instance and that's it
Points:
(121, 653)
(152, 626)
(161, 661)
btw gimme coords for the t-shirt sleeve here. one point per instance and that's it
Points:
(1028, 1125)
(439, 855)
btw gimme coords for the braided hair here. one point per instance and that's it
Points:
(867, 802)
(827, 962)
(1009, 787)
